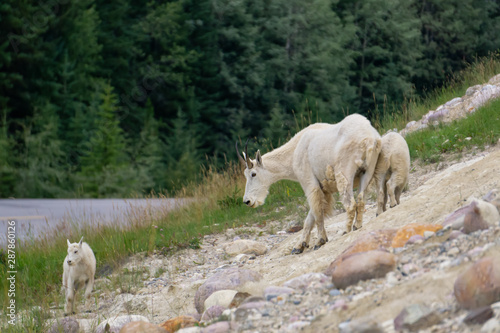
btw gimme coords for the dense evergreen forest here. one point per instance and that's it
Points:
(110, 98)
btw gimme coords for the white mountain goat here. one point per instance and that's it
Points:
(392, 170)
(324, 159)
(79, 270)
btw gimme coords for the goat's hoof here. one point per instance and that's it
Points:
(392, 206)
(300, 249)
(320, 244)
(354, 228)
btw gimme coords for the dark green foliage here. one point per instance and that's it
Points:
(121, 98)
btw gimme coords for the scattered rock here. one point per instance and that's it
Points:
(66, 325)
(294, 226)
(415, 239)
(363, 266)
(220, 327)
(212, 313)
(491, 326)
(238, 299)
(175, 324)
(220, 297)
(406, 232)
(273, 291)
(479, 285)
(415, 317)
(473, 221)
(142, 327)
(306, 280)
(479, 315)
(231, 278)
(245, 246)
(361, 325)
(373, 240)
(115, 324)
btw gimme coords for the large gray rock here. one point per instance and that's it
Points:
(231, 278)
(116, 323)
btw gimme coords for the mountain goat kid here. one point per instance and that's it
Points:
(79, 270)
(392, 170)
(324, 159)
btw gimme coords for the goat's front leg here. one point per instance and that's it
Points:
(306, 234)
(88, 290)
(69, 307)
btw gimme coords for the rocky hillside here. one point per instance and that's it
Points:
(246, 280)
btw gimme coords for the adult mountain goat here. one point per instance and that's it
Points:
(324, 159)
(79, 270)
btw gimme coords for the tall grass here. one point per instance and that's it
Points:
(213, 205)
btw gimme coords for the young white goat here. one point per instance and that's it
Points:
(392, 170)
(79, 270)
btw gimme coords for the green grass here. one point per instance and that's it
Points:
(477, 130)
(391, 116)
(217, 205)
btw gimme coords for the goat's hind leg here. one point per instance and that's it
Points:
(345, 188)
(88, 290)
(360, 202)
(306, 234)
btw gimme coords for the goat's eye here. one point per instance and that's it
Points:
(76, 251)
(254, 174)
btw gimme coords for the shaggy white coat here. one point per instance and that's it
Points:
(324, 159)
(79, 270)
(392, 170)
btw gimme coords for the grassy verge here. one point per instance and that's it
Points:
(414, 108)
(217, 205)
(477, 130)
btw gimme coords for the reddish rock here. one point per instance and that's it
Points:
(405, 233)
(363, 266)
(175, 324)
(479, 285)
(373, 240)
(141, 327)
(231, 278)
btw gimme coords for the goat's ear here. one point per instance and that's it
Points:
(258, 158)
(69, 244)
(80, 243)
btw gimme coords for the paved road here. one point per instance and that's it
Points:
(35, 217)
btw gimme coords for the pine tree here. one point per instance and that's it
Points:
(386, 48)
(104, 166)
